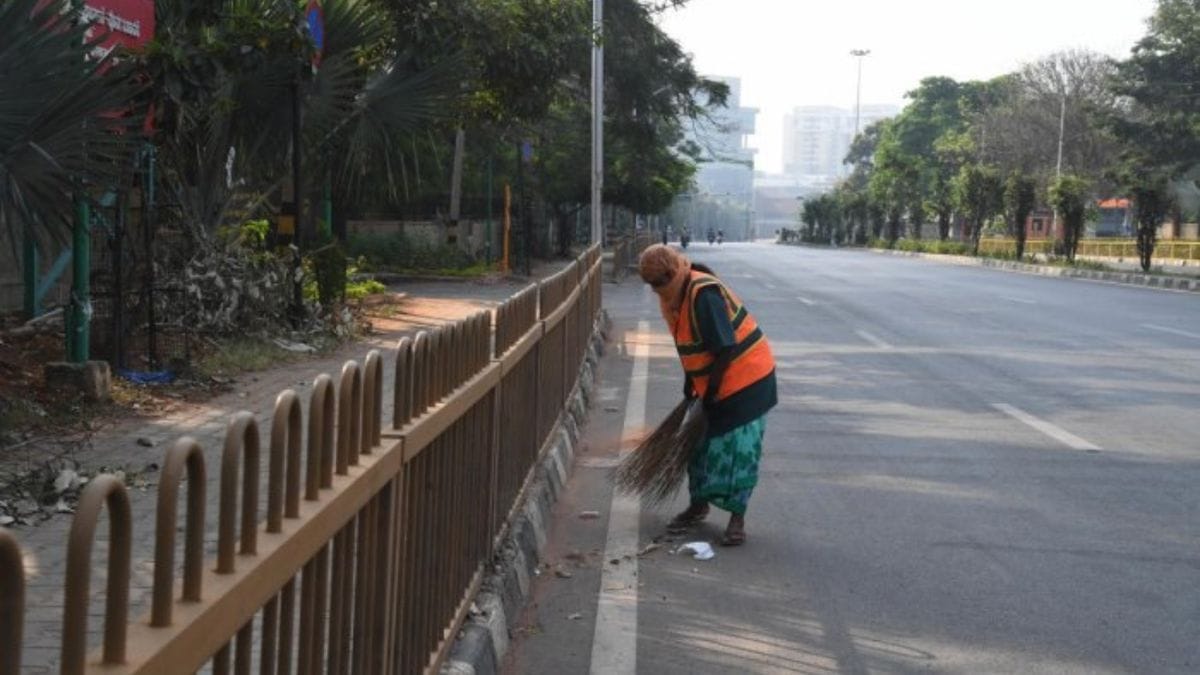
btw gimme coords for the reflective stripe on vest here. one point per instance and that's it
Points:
(752, 359)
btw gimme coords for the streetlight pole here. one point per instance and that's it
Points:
(597, 121)
(859, 54)
(1062, 127)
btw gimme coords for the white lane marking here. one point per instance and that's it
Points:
(1057, 433)
(1023, 301)
(805, 300)
(1173, 331)
(614, 644)
(770, 287)
(872, 339)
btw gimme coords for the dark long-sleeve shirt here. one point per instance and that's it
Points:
(716, 332)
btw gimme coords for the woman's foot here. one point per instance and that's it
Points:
(688, 518)
(735, 532)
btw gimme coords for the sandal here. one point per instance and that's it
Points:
(735, 532)
(688, 518)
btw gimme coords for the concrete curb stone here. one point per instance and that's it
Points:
(483, 640)
(1126, 278)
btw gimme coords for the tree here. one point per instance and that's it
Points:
(1070, 195)
(1071, 88)
(1152, 203)
(1020, 195)
(1160, 78)
(978, 193)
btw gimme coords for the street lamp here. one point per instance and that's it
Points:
(858, 54)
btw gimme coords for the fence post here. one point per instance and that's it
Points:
(104, 489)
(186, 453)
(12, 604)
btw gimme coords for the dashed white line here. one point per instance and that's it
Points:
(1057, 433)
(872, 339)
(770, 287)
(805, 301)
(1023, 301)
(614, 643)
(1173, 331)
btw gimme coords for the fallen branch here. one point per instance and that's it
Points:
(50, 320)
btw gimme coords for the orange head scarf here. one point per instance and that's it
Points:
(667, 272)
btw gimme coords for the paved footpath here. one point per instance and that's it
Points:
(425, 305)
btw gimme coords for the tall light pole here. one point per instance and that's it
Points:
(597, 121)
(858, 54)
(1062, 127)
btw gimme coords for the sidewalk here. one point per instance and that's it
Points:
(123, 446)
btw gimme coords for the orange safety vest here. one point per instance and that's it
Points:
(752, 360)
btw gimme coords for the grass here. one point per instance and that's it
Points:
(479, 269)
(243, 354)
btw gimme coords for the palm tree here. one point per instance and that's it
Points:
(64, 120)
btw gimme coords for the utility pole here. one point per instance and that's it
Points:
(597, 121)
(1062, 127)
(859, 54)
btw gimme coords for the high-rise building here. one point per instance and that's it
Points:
(726, 172)
(817, 138)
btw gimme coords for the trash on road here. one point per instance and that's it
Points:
(701, 550)
(589, 515)
(575, 617)
(648, 549)
(298, 347)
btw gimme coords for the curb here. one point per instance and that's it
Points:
(483, 640)
(1161, 282)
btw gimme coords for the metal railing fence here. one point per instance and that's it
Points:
(1101, 248)
(374, 540)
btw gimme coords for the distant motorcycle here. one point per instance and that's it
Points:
(684, 239)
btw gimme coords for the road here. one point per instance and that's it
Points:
(970, 471)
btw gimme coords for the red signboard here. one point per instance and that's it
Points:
(128, 23)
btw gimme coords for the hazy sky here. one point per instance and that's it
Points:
(796, 52)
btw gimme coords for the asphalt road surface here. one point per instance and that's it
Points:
(970, 471)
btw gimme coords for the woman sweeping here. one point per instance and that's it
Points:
(728, 364)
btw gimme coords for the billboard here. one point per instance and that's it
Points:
(127, 23)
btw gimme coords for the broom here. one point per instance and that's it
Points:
(656, 468)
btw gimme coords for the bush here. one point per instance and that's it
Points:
(949, 247)
(400, 252)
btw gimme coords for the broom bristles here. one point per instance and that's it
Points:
(657, 467)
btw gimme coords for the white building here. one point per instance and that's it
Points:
(817, 138)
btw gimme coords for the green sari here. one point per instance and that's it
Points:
(724, 469)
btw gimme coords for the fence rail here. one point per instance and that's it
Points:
(1106, 248)
(626, 249)
(374, 540)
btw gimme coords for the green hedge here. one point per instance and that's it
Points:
(399, 252)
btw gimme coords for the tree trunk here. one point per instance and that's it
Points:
(976, 231)
(943, 225)
(1145, 246)
(1020, 237)
(893, 230)
(917, 225)
(1070, 239)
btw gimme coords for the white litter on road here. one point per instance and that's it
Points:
(701, 550)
